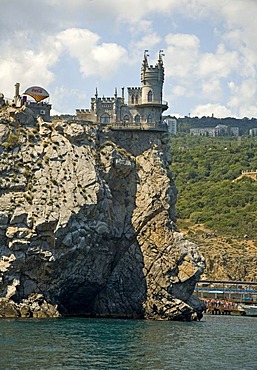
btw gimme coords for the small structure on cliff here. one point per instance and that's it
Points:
(39, 107)
(144, 107)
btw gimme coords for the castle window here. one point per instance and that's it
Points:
(149, 118)
(105, 118)
(132, 99)
(126, 119)
(136, 99)
(150, 95)
(137, 118)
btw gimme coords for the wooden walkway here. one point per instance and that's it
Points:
(225, 311)
(220, 308)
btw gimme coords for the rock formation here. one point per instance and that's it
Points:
(87, 223)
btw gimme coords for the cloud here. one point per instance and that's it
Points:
(34, 66)
(93, 57)
(179, 90)
(121, 10)
(181, 54)
(147, 42)
(108, 58)
(243, 98)
(185, 59)
(206, 75)
(25, 65)
(210, 47)
(219, 64)
(212, 89)
(59, 95)
(211, 109)
(77, 41)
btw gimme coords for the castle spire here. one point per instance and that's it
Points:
(144, 65)
(161, 54)
(145, 61)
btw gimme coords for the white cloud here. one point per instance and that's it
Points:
(93, 57)
(19, 64)
(179, 90)
(212, 89)
(59, 95)
(184, 41)
(211, 109)
(121, 10)
(77, 41)
(243, 98)
(220, 64)
(249, 111)
(28, 66)
(108, 58)
(141, 26)
(147, 42)
(205, 75)
(181, 55)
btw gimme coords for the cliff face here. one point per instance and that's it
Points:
(226, 258)
(87, 223)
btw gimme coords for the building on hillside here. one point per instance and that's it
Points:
(234, 131)
(219, 130)
(171, 125)
(253, 131)
(144, 105)
(39, 107)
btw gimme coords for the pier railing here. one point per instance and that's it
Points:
(138, 126)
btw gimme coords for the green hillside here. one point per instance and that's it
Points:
(204, 169)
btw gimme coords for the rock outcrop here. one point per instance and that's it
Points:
(87, 223)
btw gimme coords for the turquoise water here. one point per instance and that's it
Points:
(215, 343)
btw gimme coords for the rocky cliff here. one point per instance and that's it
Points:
(87, 223)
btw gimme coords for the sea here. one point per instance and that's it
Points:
(215, 343)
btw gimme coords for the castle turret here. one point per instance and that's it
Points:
(152, 78)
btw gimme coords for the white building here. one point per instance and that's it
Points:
(253, 131)
(172, 125)
(219, 130)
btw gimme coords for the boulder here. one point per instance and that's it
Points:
(8, 308)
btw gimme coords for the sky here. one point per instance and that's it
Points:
(70, 47)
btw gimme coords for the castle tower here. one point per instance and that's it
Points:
(152, 78)
(144, 106)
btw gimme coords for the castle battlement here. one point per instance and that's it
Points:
(103, 100)
(134, 88)
(106, 100)
(83, 111)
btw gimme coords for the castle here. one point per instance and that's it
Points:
(144, 106)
